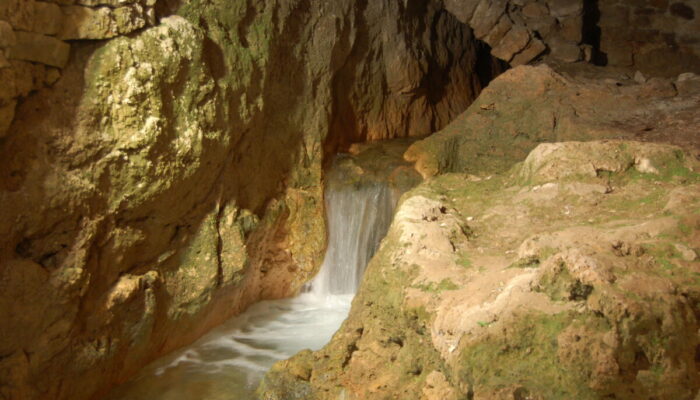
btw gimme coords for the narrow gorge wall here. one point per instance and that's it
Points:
(158, 180)
(162, 159)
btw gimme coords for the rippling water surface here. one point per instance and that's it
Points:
(229, 362)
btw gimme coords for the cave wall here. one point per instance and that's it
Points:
(162, 160)
(164, 170)
(657, 37)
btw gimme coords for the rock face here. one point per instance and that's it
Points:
(171, 177)
(162, 160)
(548, 282)
(522, 270)
(33, 33)
(551, 106)
(656, 37)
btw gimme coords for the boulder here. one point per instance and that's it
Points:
(532, 51)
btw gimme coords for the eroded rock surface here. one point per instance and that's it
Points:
(172, 176)
(534, 104)
(543, 283)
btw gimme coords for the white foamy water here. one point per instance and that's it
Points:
(229, 362)
(358, 218)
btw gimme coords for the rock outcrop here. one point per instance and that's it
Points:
(172, 176)
(550, 106)
(546, 283)
(162, 159)
(525, 270)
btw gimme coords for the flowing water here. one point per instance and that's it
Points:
(229, 362)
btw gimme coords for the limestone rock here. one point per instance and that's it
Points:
(503, 26)
(565, 51)
(549, 107)
(557, 161)
(172, 176)
(19, 13)
(571, 29)
(513, 42)
(535, 10)
(47, 18)
(7, 35)
(39, 48)
(532, 51)
(688, 83)
(7, 113)
(462, 9)
(565, 8)
(543, 289)
(102, 22)
(486, 15)
(545, 26)
(110, 3)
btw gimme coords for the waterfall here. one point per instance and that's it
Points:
(230, 361)
(359, 215)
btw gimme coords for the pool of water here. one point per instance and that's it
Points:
(229, 362)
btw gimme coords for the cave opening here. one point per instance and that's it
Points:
(430, 74)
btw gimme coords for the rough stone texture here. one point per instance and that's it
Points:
(651, 36)
(173, 176)
(40, 49)
(522, 264)
(511, 44)
(588, 103)
(37, 24)
(101, 22)
(508, 26)
(657, 37)
(553, 281)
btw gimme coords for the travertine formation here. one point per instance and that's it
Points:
(172, 176)
(162, 159)
(566, 270)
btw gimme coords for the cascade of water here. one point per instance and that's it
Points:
(359, 215)
(230, 361)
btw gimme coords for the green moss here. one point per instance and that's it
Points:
(432, 287)
(526, 356)
(464, 261)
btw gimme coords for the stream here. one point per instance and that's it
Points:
(229, 362)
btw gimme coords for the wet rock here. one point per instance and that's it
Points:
(582, 304)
